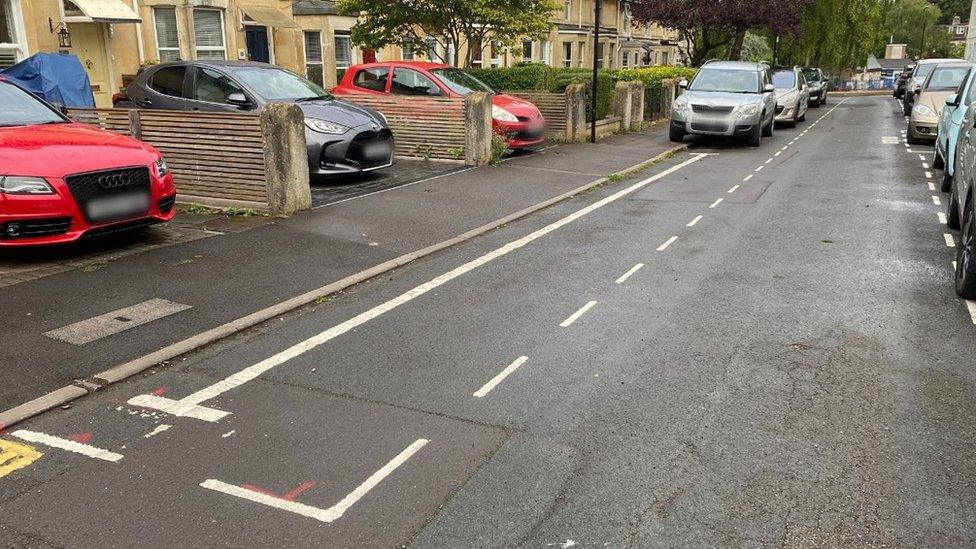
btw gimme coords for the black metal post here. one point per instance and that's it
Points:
(597, 55)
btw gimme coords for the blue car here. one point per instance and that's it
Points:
(950, 122)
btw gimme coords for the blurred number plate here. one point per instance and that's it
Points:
(116, 207)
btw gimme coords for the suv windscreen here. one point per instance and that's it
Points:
(784, 80)
(273, 84)
(813, 75)
(726, 80)
(22, 109)
(923, 69)
(461, 82)
(946, 78)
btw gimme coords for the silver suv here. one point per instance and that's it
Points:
(730, 98)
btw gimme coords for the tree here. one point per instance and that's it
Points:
(837, 34)
(912, 22)
(713, 28)
(952, 8)
(459, 22)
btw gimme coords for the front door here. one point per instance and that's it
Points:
(257, 43)
(88, 43)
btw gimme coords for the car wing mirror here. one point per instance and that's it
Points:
(769, 88)
(952, 100)
(683, 84)
(239, 99)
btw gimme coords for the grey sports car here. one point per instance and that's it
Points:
(342, 137)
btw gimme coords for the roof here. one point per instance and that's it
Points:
(425, 65)
(735, 65)
(895, 63)
(313, 7)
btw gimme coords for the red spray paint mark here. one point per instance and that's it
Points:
(159, 391)
(83, 438)
(290, 495)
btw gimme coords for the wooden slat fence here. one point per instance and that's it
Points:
(213, 156)
(554, 108)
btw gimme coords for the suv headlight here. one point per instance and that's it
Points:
(682, 108)
(324, 126)
(748, 110)
(923, 110)
(161, 168)
(14, 184)
(499, 113)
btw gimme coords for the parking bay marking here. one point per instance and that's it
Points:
(15, 456)
(943, 219)
(576, 316)
(191, 405)
(970, 305)
(623, 278)
(931, 186)
(324, 515)
(65, 444)
(936, 200)
(950, 242)
(487, 387)
(116, 321)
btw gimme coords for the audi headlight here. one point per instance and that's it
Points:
(14, 184)
(324, 126)
(161, 168)
(923, 110)
(499, 113)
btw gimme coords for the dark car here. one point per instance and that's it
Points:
(901, 81)
(819, 83)
(342, 137)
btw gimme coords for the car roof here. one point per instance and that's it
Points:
(219, 63)
(939, 60)
(735, 65)
(427, 65)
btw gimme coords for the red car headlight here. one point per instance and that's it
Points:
(15, 184)
(161, 168)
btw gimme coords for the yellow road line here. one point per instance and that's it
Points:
(15, 456)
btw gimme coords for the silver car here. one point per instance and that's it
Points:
(792, 95)
(728, 98)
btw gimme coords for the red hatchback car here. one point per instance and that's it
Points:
(518, 120)
(60, 180)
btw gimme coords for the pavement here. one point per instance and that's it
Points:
(734, 348)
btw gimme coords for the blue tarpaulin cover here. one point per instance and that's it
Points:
(55, 77)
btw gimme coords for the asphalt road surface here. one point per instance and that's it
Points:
(735, 348)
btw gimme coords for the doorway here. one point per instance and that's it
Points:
(256, 38)
(88, 44)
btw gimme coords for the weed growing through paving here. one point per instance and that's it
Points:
(498, 148)
(231, 211)
(323, 299)
(457, 154)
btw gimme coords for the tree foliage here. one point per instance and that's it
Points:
(461, 22)
(837, 34)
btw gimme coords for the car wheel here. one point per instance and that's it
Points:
(938, 162)
(946, 181)
(823, 99)
(952, 213)
(965, 261)
(755, 138)
(913, 140)
(768, 130)
(816, 103)
(676, 135)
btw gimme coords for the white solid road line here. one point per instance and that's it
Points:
(667, 243)
(324, 515)
(733, 189)
(936, 200)
(716, 203)
(623, 278)
(487, 387)
(65, 444)
(747, 178)
(252, 372)
(942, 218)
(575, 316)
(950, 242)
(694, 221)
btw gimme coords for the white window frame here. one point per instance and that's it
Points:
(20, 32)
(352, 56)
(408, 47)
(321, 61)
(197, 48)
(568, 9)
(160, 49)
(567, 59)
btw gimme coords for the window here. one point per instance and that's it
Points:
(545, 52)
(208, 29)
(625, 60)
(313, 56)
(431, 44)
(410, 82)
(169, 81)
(569, 9)
(343, 51)
(567, 54)
(406, 50)
(599, 55)
(372, 79)
(527, 50)
(496, 54)
(10, 48)
(213, 87)
(167, 35)
(582, 54)
(275, 84)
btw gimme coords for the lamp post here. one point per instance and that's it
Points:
(597, 55)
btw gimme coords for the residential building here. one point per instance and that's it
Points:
(957, 31)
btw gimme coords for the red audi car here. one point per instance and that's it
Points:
(60, 180)
(518, 120)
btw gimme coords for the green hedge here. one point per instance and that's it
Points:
(537, 77)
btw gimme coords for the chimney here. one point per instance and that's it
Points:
(895, 51)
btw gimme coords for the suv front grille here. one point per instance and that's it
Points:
(709, 127)
(711, 110)
(94, 185)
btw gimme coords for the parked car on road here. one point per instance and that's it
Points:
(914, 84)
(819, 84)
(730, 98)
(792, 95)
(960, 213)
(341, 137)
(942, 81)
(518, 120)
(60, 180)
(950, 122)
(901, 81)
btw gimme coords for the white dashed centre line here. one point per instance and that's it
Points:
(716, 203)
(778, 153)
(733, 189)
(575, 316)
(623, 278)
(65, 444)
(759, 169)
(667, 243)
(747, 178)
(484, 390)
(768, 161)
(950, 241)
(694, 221)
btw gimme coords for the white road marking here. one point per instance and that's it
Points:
(113, 322)
(928, 175)
(325, 515)
(623, 278)
(667, 243)
(922, 157)
(716, 203)
(228, 433)
(768, 161)
(65, 444)
(178, 408)
(785, 147)
(953, 266)
(487, 387)
(747, 178)
(942, 218)
(759, 169)
(778, 153)
(931, 186)
(694, 221)
(159, 429)
(252, 372)
(971, 306)
(950, 242)
(575, 316)
(733, 189)
(925, 165)
(936, 200)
